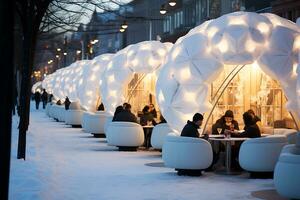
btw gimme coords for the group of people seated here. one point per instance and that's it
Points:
(228, 126)
(225, 125)
(148, 116)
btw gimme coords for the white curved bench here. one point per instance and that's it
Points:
(73, 117)
(261, 154)
(125, 135)
(289, 133)
(107, 122)
(186, 153)
(286, 174)
(94, 123)
(159, 132)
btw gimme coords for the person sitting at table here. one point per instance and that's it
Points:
(251, 129)
(124, 105)
(191, 128)
(256, 119)
(118, 110)
(126, 115)
(152, 110)
(147, 117)
(225, 122)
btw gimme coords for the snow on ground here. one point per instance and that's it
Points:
(66, 163)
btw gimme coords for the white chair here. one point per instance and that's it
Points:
(125, 135)
(286, 174)
(159, 132)
(186, 153)
(61, 113)
(107, 122)
(73, 117)
(289, 133)
(261, 154)
(94, 123)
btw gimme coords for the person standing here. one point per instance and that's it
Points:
(44, 98)
(37, 98)
(67, 103)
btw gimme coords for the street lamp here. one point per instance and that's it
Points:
(172, 3)
(58, 49)
(163, 9)
(124, 25)
(122, 30)
(78, 52)
(57, 56)
(65, 53)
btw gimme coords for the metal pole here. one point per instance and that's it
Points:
(150, 30)
(82, 49)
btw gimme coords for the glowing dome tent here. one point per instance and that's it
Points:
(47, 83)
(89, 91)
(127, 72)
(224, 46)
(37, 87)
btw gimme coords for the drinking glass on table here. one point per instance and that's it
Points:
(219, 130)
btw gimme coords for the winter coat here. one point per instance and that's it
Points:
(145, 118)
(37, 96)
(251, 131)
(220, 123)
(44, 96)
(125, 116)
(190, 130)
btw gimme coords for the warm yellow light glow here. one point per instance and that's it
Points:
(263, 28)
(223, 46)
(135, 62)
(212, 31)
(151, 61)
(93, 77)
(185, 73)
(145, 47)
(237, 21)
(95, 69)
(113, 93)
(296, 45)
(294, 72)
(161, 52)
(190, 96)
(89, 93)
(111, 78)
(130, 53)
(80, 81)
(250, 46)
(109, 65)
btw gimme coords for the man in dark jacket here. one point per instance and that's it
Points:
(44, 98)
(37, 98)
(191, 128)
(126, 115)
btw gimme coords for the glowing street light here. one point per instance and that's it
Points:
(122, 30)
(172, 3)
(163, 9)
(58, 49)
(124, 25)
(78, 51)
(65, 53)
(57, 56)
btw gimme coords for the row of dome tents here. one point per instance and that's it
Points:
(184, 72)
(185, 69)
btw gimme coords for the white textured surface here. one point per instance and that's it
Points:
(65, 163)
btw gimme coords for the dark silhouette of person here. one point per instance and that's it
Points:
(67, 103)
(118, 110)
(44, 98)
(152, 110)
(226, 122)
(191, 128)
(37, 98)
(147, 116)
(126, 115)
(100, 107)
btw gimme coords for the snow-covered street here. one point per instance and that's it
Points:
(66, 163)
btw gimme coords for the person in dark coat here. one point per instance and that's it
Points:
(37, 98)
(251, 129)
(126, 115)
(191, 128)
(118, 110)
(50, 98)
(152, 110)
(44, 98)
(58, 103)
(146, 117)
(100, 107)
(226, 122)
(67, 103)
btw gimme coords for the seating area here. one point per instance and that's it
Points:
(198, 103)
